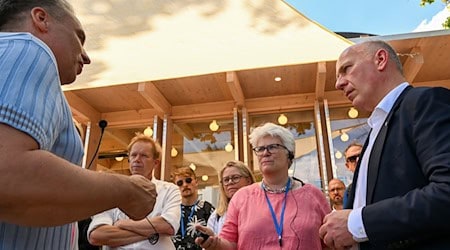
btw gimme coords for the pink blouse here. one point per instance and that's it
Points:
(249, 222)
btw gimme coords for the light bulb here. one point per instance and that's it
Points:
(282, 119)
(119, 158)
(205, 177)
(148, 131)
(352, 112)
(228, 147)
(277, 79)
(192, 166)
(214, 126)
(344, 137)
(338, 154)
(173, 152)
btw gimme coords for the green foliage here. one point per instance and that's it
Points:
(446, 24)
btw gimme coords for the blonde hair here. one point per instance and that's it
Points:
(156, 148)
(183, 171)
(223, 199)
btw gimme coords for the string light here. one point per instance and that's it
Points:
(205, 177)
(192, 166)
(119, 158)
(173, 152)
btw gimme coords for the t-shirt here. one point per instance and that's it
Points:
(249, 221)
(197, 213)
(31, 100)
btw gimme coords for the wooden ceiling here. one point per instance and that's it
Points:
(191, 102)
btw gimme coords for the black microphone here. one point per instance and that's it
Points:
(102, 124)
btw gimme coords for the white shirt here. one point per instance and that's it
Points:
(167, 206)
(376, 120)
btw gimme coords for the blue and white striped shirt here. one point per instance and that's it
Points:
(31, 100)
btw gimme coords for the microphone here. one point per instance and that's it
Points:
(102, 124)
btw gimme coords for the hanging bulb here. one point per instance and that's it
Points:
(228, 147)
(173, 152)
(282, 119)
(119, 158)
(344, 137)
(148, 131)
(214, 126)
(352, 112)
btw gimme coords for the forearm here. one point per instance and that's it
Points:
(41, 189)
(144, 228)
(113, 236)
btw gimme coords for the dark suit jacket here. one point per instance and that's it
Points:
(408, 186)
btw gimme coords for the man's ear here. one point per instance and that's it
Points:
(39, 18)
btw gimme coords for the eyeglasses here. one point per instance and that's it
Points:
(352, 158)
(231, 179)
(271, 148)
(187, 180)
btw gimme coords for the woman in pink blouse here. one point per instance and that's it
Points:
(278, 213)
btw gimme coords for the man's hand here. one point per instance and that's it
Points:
(334, 231)
(142, 198)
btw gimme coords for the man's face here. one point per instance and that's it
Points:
(352, 157)
(66, 39)
(356, 77)
(141, 159)
(336, 191)
(187, 184)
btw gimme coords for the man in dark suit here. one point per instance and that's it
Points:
(401, 194)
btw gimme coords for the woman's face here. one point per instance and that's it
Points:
(232, 181)
(274, 161)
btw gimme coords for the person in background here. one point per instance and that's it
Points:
(278, 213)
(115, 230)
(336, 190)
(351, 154)
(193, 210)
(233, 177)
(401, 194)
(44, 191)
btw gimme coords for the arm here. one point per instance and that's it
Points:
(144, 228)
(113, 236)
(41, 189)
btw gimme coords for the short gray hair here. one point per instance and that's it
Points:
(270, 129)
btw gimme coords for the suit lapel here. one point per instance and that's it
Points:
(377, 149)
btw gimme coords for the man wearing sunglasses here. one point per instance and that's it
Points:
(192, 209)
(115, 230)
(351, 153)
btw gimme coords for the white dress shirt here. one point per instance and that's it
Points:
(376, 120)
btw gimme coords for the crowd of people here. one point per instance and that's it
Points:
(399, 196)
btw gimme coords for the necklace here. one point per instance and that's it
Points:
(277, 191)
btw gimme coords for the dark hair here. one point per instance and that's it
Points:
(12, 11)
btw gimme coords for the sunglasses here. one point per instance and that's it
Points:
(187, 180)
(352, 158)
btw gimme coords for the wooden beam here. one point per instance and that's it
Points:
(438, 83)
(194, 112)
(153, 96)
(130, 118)
(235, 88)
(413, 64)
(184, 130)
(120, 136)
(81, 109)
(321, 77)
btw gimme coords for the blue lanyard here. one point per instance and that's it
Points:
(183, 227)
(278, 227)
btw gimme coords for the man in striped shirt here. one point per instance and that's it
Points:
(43, 189)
